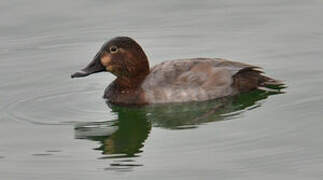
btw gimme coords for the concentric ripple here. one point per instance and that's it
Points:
(60, 108)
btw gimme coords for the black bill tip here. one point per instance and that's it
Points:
(79, 74)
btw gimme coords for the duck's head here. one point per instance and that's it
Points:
(122, 56)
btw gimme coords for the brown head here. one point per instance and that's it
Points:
(122, 56)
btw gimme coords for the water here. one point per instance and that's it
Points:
(53, 127)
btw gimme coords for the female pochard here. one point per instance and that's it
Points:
(182, 80)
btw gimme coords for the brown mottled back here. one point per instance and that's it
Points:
(200, 79)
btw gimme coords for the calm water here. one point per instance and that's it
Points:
(53, 127)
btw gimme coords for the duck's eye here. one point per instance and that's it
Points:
(113, 49)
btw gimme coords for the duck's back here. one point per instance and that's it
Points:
(200, 79)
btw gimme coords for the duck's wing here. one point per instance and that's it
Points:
(195, 79)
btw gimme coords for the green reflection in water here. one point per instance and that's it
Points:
(190, 115)
(124, 137)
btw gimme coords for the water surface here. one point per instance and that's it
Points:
(53, 127)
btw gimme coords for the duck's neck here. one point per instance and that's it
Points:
(131, 82)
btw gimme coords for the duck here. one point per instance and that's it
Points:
(174, 81)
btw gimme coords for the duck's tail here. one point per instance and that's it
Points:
(270, 84)
(253, 78)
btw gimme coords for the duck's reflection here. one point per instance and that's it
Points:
(122, 137)
(190, 115)
(125, 136)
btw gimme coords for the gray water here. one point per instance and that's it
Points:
(53, 127)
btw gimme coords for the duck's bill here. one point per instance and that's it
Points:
(80, 74)
(95, 66)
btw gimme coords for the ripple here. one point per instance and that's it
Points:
(42, 154)
(59, 108)
(53, 151)
(123, 166)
